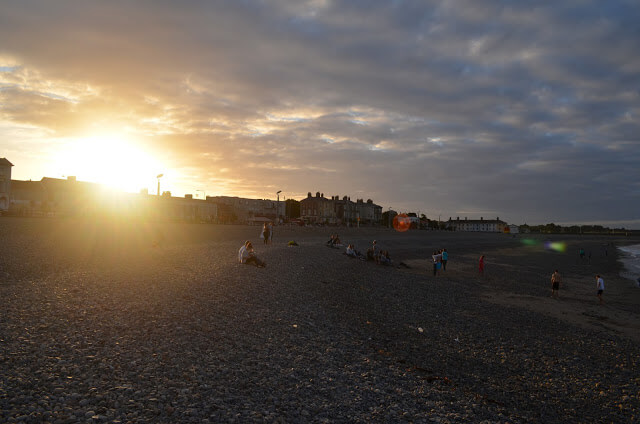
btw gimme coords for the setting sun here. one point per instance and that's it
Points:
(113, 160)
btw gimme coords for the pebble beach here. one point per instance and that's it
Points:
(125, 321)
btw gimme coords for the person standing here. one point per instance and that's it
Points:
(436, 262)
(481, 265)
(445, 258)
(556, 279)
(270, 228)
(265, 233)
(600, 287)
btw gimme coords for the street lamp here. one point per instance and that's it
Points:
(158, 177)
(278, 207)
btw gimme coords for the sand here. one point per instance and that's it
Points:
(134, 322)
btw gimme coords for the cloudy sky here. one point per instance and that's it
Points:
(526, 110)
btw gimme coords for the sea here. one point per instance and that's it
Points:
(630, 257)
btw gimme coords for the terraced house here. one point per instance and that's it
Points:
(336, 211)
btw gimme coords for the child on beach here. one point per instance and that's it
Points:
(436, 262)
(556, 279)
(600, 287)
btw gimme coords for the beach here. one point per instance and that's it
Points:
(125, 321)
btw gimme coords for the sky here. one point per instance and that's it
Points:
(524, 110)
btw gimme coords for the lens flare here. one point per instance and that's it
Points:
(401, 222)
(557, 246)
(529, 242)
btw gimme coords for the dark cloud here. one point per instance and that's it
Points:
(523, 110)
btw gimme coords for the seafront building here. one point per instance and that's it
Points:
(479, 225)
(335, 211)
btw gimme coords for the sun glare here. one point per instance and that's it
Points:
(112, 160)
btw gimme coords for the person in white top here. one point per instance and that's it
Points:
(247, 256)
(600, 287)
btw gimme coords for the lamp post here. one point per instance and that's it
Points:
(158, 177)
(278, 207)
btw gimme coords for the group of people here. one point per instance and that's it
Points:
(556, 279)
(374, 253)
(440, 258)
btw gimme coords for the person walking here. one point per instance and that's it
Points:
(265, 233)
(556, 279)
(445, 258)
(481, 265)
(600, 287)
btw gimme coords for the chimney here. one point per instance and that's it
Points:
(317, 194)
(480, 218)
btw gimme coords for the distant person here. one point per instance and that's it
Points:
(556, 279)
(265, 233)
(481, 265)
(376, 251)
(351, 251)
(600, 287)
(270, 228)
(246, 255)
(436, 262)
(581, 253)
(385, 259)
(445, 258)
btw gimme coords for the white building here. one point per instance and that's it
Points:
(479, 225)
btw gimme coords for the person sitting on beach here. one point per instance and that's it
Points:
(336, 241)
(370, 256)
(246, 255)
(353, 253)
(556, 279)
(385, 259)
(330, 242)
